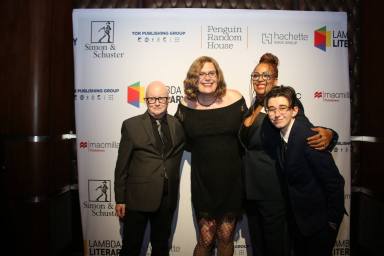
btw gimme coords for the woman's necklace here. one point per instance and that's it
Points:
(206, 105)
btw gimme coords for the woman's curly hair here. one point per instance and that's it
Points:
(191, 82)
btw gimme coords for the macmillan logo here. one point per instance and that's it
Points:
(324, 38)
(98, 146)
(135, 94)
(331, 96)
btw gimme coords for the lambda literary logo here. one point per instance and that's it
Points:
(135, 94)
(324, 39)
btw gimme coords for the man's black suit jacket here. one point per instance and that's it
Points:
(141, 167)
(314, 185)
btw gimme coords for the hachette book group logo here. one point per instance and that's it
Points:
(135, 94)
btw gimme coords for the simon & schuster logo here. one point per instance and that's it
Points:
(102, 31)
(99, 198)
(102, 44)
(99, 190)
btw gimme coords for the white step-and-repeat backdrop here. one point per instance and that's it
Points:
(118, 51)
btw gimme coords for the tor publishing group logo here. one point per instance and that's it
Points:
(102, 31)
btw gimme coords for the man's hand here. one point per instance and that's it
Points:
(120, 210)
(321, 140)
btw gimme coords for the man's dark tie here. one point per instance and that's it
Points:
(164, 144)
(284, 147)
(162, 137)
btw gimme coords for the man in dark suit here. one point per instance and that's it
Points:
(312, 182)
(147, 174)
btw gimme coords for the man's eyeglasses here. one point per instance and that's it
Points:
(265, 76)
(210, 74)
(281, 109)
(152, 100)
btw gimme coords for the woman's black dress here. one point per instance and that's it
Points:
(212, 138)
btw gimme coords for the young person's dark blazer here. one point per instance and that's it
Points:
(141, 167)
(314, 185)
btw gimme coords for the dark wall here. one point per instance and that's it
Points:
(37, 169)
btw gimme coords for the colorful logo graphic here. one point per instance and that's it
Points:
(135, 94)
(322, 38)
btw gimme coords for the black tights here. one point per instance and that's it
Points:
(220, 229)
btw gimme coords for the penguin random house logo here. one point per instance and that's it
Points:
(331, 96)
(324, 39)
(102, 42)
(136, 92)
(284, 38)
(216, 37)
(93, 146)
(99, 198)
